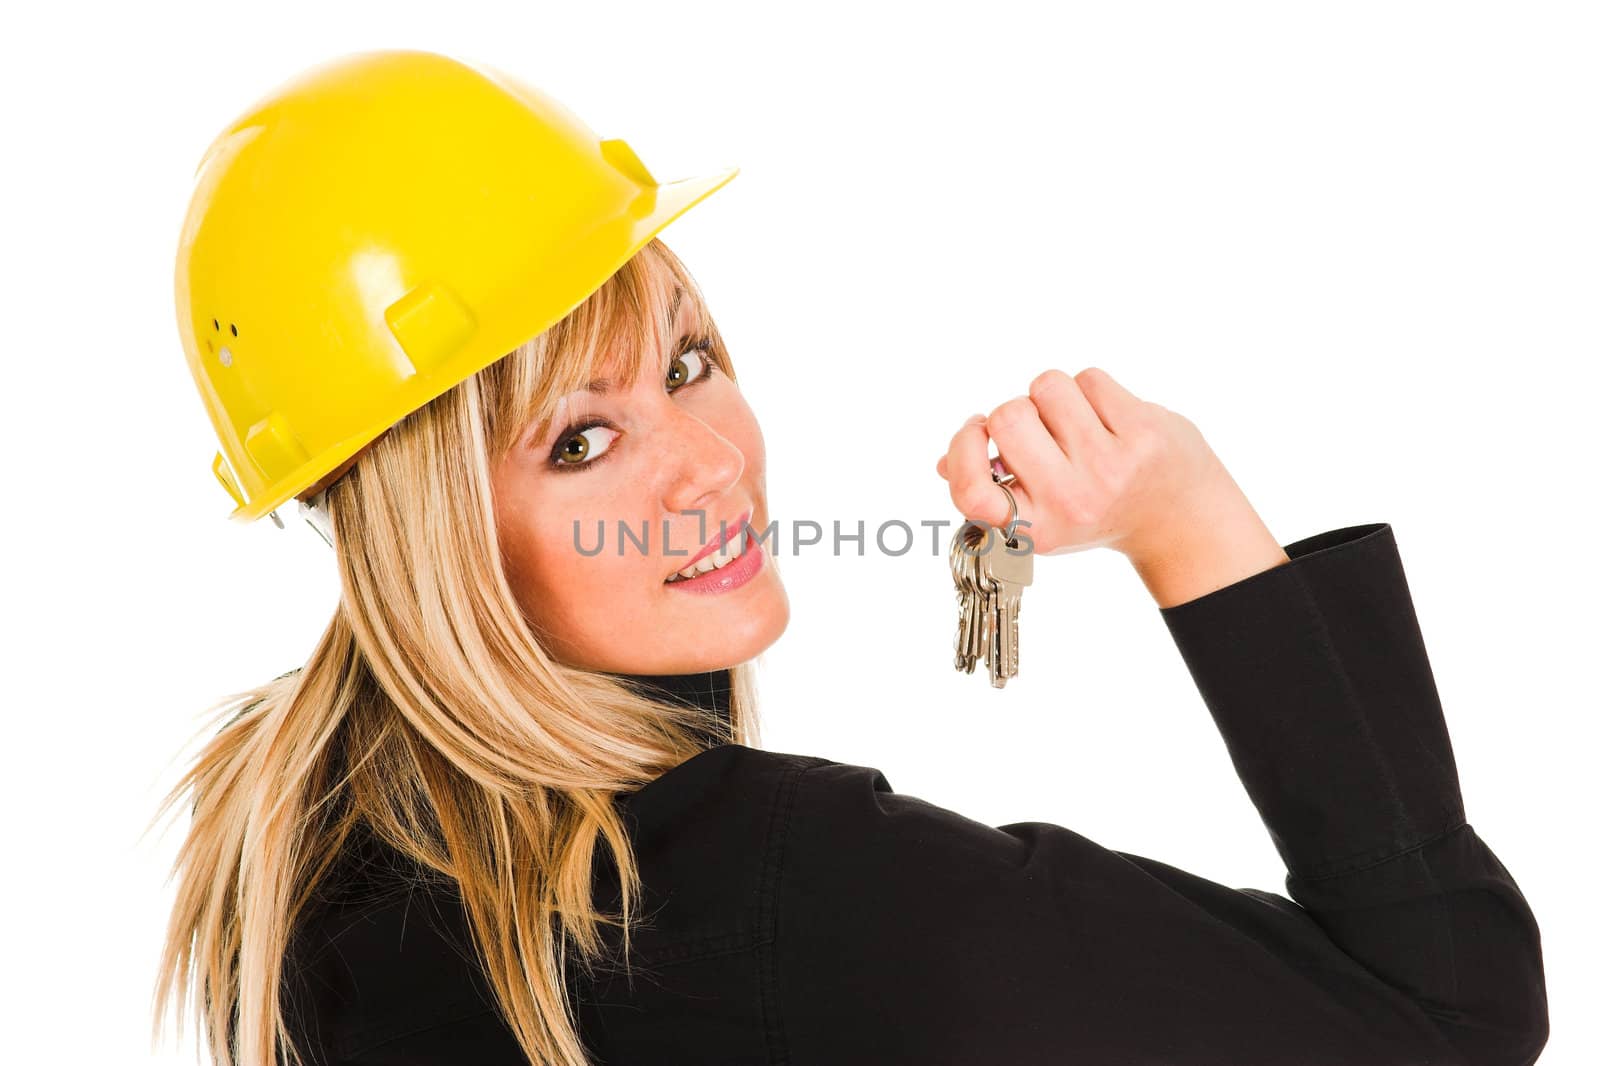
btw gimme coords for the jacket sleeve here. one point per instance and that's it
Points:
(918, 935)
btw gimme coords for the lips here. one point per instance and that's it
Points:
(718, 539)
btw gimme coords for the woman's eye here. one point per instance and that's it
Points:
(693, 365)
(585, 445)
(581, 448)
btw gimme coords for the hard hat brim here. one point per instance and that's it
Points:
(655, 209)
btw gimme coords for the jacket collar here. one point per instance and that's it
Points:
(709, 689)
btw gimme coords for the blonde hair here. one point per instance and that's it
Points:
(430, 715)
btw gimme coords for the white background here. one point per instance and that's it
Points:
(1355, 243)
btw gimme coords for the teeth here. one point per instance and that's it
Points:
(717, 559)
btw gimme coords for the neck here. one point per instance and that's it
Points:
(710, 689)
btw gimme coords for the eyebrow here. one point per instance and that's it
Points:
(601, 386)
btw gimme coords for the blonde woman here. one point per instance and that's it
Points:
(513, 807)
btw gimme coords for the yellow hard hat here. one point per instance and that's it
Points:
(377, 230)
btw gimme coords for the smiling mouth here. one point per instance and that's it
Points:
(736, 546)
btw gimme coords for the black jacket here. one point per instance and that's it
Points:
(801, 912)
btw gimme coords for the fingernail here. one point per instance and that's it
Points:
(976, 418)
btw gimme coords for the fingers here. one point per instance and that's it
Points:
(1066, 412)
(972, 487)
(1039, 435)
(1114, 406)
(1030, 450)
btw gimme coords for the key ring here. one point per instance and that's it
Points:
(1003, 477)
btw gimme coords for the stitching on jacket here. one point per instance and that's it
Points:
(767, 949)
(1457, 822)
(697, 947)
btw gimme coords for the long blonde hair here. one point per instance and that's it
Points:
(430, 715)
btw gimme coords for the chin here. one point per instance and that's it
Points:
(774, 623)
(701, 640)
(759, 631)
(755, 630)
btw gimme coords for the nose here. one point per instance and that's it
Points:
(701, 464)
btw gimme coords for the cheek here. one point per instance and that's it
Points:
(532, 538)
(553, 568)
(520, 548)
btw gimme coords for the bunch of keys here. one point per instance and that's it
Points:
(990, 574)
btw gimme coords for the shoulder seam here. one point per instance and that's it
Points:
(772, 878)
(791, 761)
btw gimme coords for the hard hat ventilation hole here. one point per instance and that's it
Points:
(234, 328)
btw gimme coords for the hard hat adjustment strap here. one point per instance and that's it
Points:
(315, 512)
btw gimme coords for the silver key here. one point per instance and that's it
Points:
(988, 548)
(986, 591)
(1000, 641)
(990, 573)
(989, 576)
(976, 635)
(986, 635)
(966, 598)
(969, 628)
(1011, 570)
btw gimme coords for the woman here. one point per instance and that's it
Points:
(512, 808)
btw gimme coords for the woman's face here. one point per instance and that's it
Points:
(680, 439)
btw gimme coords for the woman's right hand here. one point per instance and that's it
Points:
(1095, 466)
